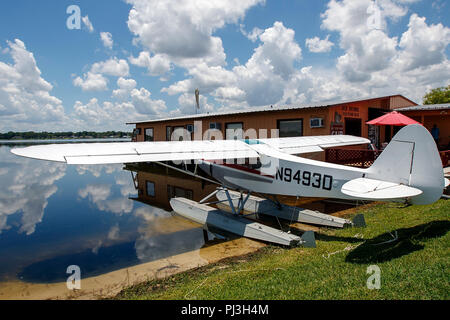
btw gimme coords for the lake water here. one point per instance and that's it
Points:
(101, 218)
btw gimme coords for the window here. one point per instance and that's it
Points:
(173, 191)
(234, 131)
(168, 133)
(215, 125)
(290, 128)
(150, 187)
(149, 134)
(190, 128)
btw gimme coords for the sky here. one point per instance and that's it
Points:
(72, 65)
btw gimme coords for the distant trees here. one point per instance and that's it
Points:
(62, 135)
(437, 96)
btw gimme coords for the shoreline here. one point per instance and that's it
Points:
(110, 284)
(50, 141)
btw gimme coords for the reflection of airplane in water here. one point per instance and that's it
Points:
(157, 184)
(409, 170)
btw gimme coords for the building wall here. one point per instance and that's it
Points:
(161, 183)
(268, 119)
(256, 121)
(400, 102)
(430, 117)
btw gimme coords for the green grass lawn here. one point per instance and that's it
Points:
(416, 266)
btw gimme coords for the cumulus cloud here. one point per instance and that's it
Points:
(423, 45)
(252, 35)
(125, 86)
(260, 81)
(203, 76)
(157, 65)
(272, 64)
(107, 39)
(26, 102)
(95, 80)
(87, 24)
(372, 60)
(317, 45)
(372, 63)
(101, 196)
(144, 104)
(91, 82)
(26, 187)
(383, 62)
(184, 32)
(367, 49)
(188, 104)
(96, 170)
(129, 104)
(25, 99)
(112, 67)
(154, 243)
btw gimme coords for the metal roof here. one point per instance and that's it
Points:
(425, 107)
(261, 109)
(225, 113)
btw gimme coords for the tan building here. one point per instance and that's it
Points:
(337, 118)
(430, 115)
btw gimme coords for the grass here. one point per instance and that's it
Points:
(416, 266)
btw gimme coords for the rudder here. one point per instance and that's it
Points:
(412, 159)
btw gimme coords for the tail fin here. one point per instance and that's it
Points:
(412, 159)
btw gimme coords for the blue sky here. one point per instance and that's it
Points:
(240, 54)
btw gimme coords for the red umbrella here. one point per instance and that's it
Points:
(393, 118)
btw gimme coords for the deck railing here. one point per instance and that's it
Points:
(445, 157)
(365, 158)
(353, 157)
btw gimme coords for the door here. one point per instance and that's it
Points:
(353, 127)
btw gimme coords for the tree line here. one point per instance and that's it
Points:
(437, 96)
(63, 135)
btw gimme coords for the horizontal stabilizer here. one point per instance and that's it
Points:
(378, 190)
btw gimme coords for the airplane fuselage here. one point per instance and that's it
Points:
(304, 177)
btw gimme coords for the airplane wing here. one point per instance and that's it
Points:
(378, 190)
(307, 144)
(128, 152)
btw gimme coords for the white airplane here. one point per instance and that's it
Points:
(408, 170)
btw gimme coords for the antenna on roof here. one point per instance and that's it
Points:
(197, 100)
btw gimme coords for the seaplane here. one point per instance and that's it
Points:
(409, 170)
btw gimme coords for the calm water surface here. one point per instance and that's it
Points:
(101, 218)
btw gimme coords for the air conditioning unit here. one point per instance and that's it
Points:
(316, 123)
